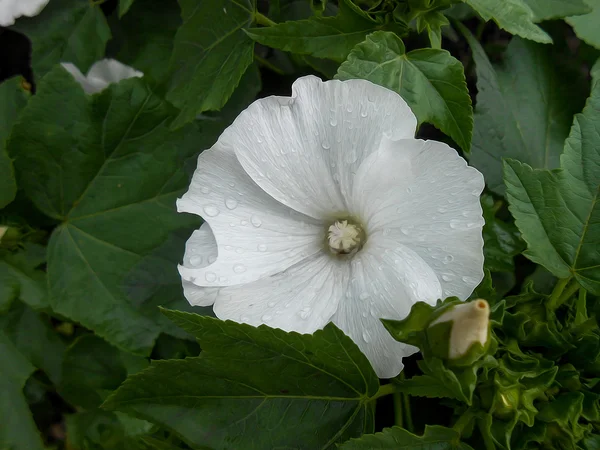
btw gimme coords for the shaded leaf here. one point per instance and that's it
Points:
(524, 109)
(557, 9)
(124, 6)
(287, 388)
(431, 81)
(434, 438)
(558, 211)
(210, 55)
(513, 16)
(586, 26)
(19, 278)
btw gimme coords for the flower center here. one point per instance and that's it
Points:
(345, 237)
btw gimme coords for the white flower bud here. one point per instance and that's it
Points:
(470, 325)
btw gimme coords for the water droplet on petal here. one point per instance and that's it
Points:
(404, 231)
(244, 319)
(454, 224)
(351, 156)
(325, 145)
(262, 248)
(205, 190)
(255, 220)
(239, 250)
(333, 122)
(305, 312)
(364, 296)
(364, 113)
(271, 304)
(266, 318)
(212, 259)
(409, 190)
(446, 277)
(366, 336)
(448, 259)
(196, 260)
(470, 280)
(211, 211)
(231, 203)
(210, 277)
(239, 268)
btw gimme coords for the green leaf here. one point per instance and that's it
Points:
(557, 9)
(12, 100)
(558, 211)
(286, 388)
(435, 438)
(93, 369)
(431, 81)
(586, 26)
(320, 37)
(18, 430)
(210, 55)
(501, 239)
(144, 37)
(513, 16)
(125, 5)
(35, 338)
(19, 278)
(66, 31)
(524, 109)
(107, 160)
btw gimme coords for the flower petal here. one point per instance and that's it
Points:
(101, 74)
(304, 150)
(428, 198)
(256, 235)
(200, 251)
(386, 280)
(301, 299)
(13, 9)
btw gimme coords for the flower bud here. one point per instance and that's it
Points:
(458, 328)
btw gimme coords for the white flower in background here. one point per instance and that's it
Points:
(323, 207)
(101, 74)
(13, 9)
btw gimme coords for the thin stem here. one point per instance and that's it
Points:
(463, 421)
(407, 413)
(553, 301)
(398, 420)
(480, 29)
(384, 390)
(261, 19)
(263, 62)
(568, 293)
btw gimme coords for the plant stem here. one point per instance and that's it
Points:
(407, 413)
(261, 19)
(398, 420)
(263, 62)
(384, 390)
(568, 292)
(553, 301)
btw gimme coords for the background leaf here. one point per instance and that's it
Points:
(431, 81)
(557, 9)
(66, 31)
(434, 438)
(586, 26)
(265, 388)
(524, 109)
(513, 16)
(210, 55)
(558, 212)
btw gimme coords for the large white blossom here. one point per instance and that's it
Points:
(323, 207)
(102, 74)
(13, 9)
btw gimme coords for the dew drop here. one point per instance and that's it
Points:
(454, 224)
(231, 184)
(262, 248)
(255, 220)
(196, 260)
(210, 277)
(408, 190)
(404, 231)
(305, 312)
(244, 319)
(448, 259)
(325, 145)
(351, 156)
(231, 203)
(364, 114)
(239, 268)
(366, 336)
(446, 277)
(333, 122)
(266, 318)
(211, 211)
(470, 280)
(239, 250)
(228, 248)
(205, 190)
(212, 259)
(364, 296)
(271, 304)
(365, 314)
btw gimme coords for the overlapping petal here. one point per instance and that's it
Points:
(428, 198)
(200, 251)
(256, 235)
(387, 278)
(13, 9)
(303, 150)
(101, 74)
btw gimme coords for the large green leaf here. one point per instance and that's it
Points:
(557, 9)
(524, 109)
(35, 338)
(396, 438)
(144, 37)
(110, 171)
(558, 212)
(431, 81)
(513, 16)
(256, 388)
(321, 37)
(18, 431)
(12, 100)
(66, 31)
(210, 55)
(586, 26)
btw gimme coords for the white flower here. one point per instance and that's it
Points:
(323, 207)
(13, 9)
(101, 74)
